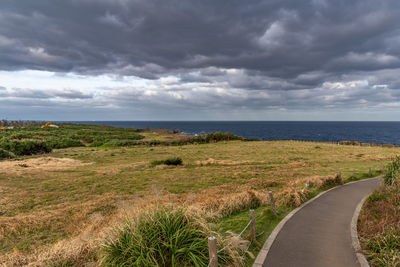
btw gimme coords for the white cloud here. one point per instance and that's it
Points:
(271, 37)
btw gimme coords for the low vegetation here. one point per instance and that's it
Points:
(392, 172)
(59, 208)
(170, 161)
(30, 138)
(162, 237)
(379, 222)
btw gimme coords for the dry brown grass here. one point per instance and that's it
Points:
(83, 248)
(212, 161)
(297, 192)
(379, 227)
(80, 203)
(40, 164)
(380, 213)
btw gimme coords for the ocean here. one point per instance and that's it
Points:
(377, 132)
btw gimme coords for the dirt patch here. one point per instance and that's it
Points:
(39, 164)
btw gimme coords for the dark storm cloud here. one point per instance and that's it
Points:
(148, 38)
(207, 55)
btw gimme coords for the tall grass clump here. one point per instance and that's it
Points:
(392, 172)
(163, 237)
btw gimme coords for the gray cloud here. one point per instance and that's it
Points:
(149, 38)
(257, 55)
(43, 94)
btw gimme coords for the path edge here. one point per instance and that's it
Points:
(362, 260)
(262, 255)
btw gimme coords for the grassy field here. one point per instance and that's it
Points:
(61, 205)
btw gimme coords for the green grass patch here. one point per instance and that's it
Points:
(360, 176)
(384, 249)
(266, 221)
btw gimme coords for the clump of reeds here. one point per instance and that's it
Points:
(162, 237)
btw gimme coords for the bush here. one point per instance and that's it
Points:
(25, 147)
(118, 143)
(4, 154)
(64, 143)
(173, 161)
(219, 136)
(164, 237)
(170, 161)
(391, 173)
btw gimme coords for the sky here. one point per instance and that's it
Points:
(200, 60)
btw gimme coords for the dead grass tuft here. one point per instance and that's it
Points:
(292, 196)
(298, 191)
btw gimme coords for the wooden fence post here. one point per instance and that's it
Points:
(370, 171)
(382, 168)
(354, 173)
(272, 201)
(252, 225)
(212, 251)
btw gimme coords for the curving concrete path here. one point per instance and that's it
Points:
(318, 234)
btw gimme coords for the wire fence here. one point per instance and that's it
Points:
(212, 242)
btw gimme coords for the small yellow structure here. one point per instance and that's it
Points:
(47, 124)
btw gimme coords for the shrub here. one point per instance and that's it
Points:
(170, 161)
(163, 237)
(391, 173)
(64, 143)
(25, 147)
(4, 154)
(219, 136)
(173, 161)
(118, 143)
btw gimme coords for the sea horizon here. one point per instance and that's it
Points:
(380, 132)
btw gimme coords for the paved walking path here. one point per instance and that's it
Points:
(318, 235)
